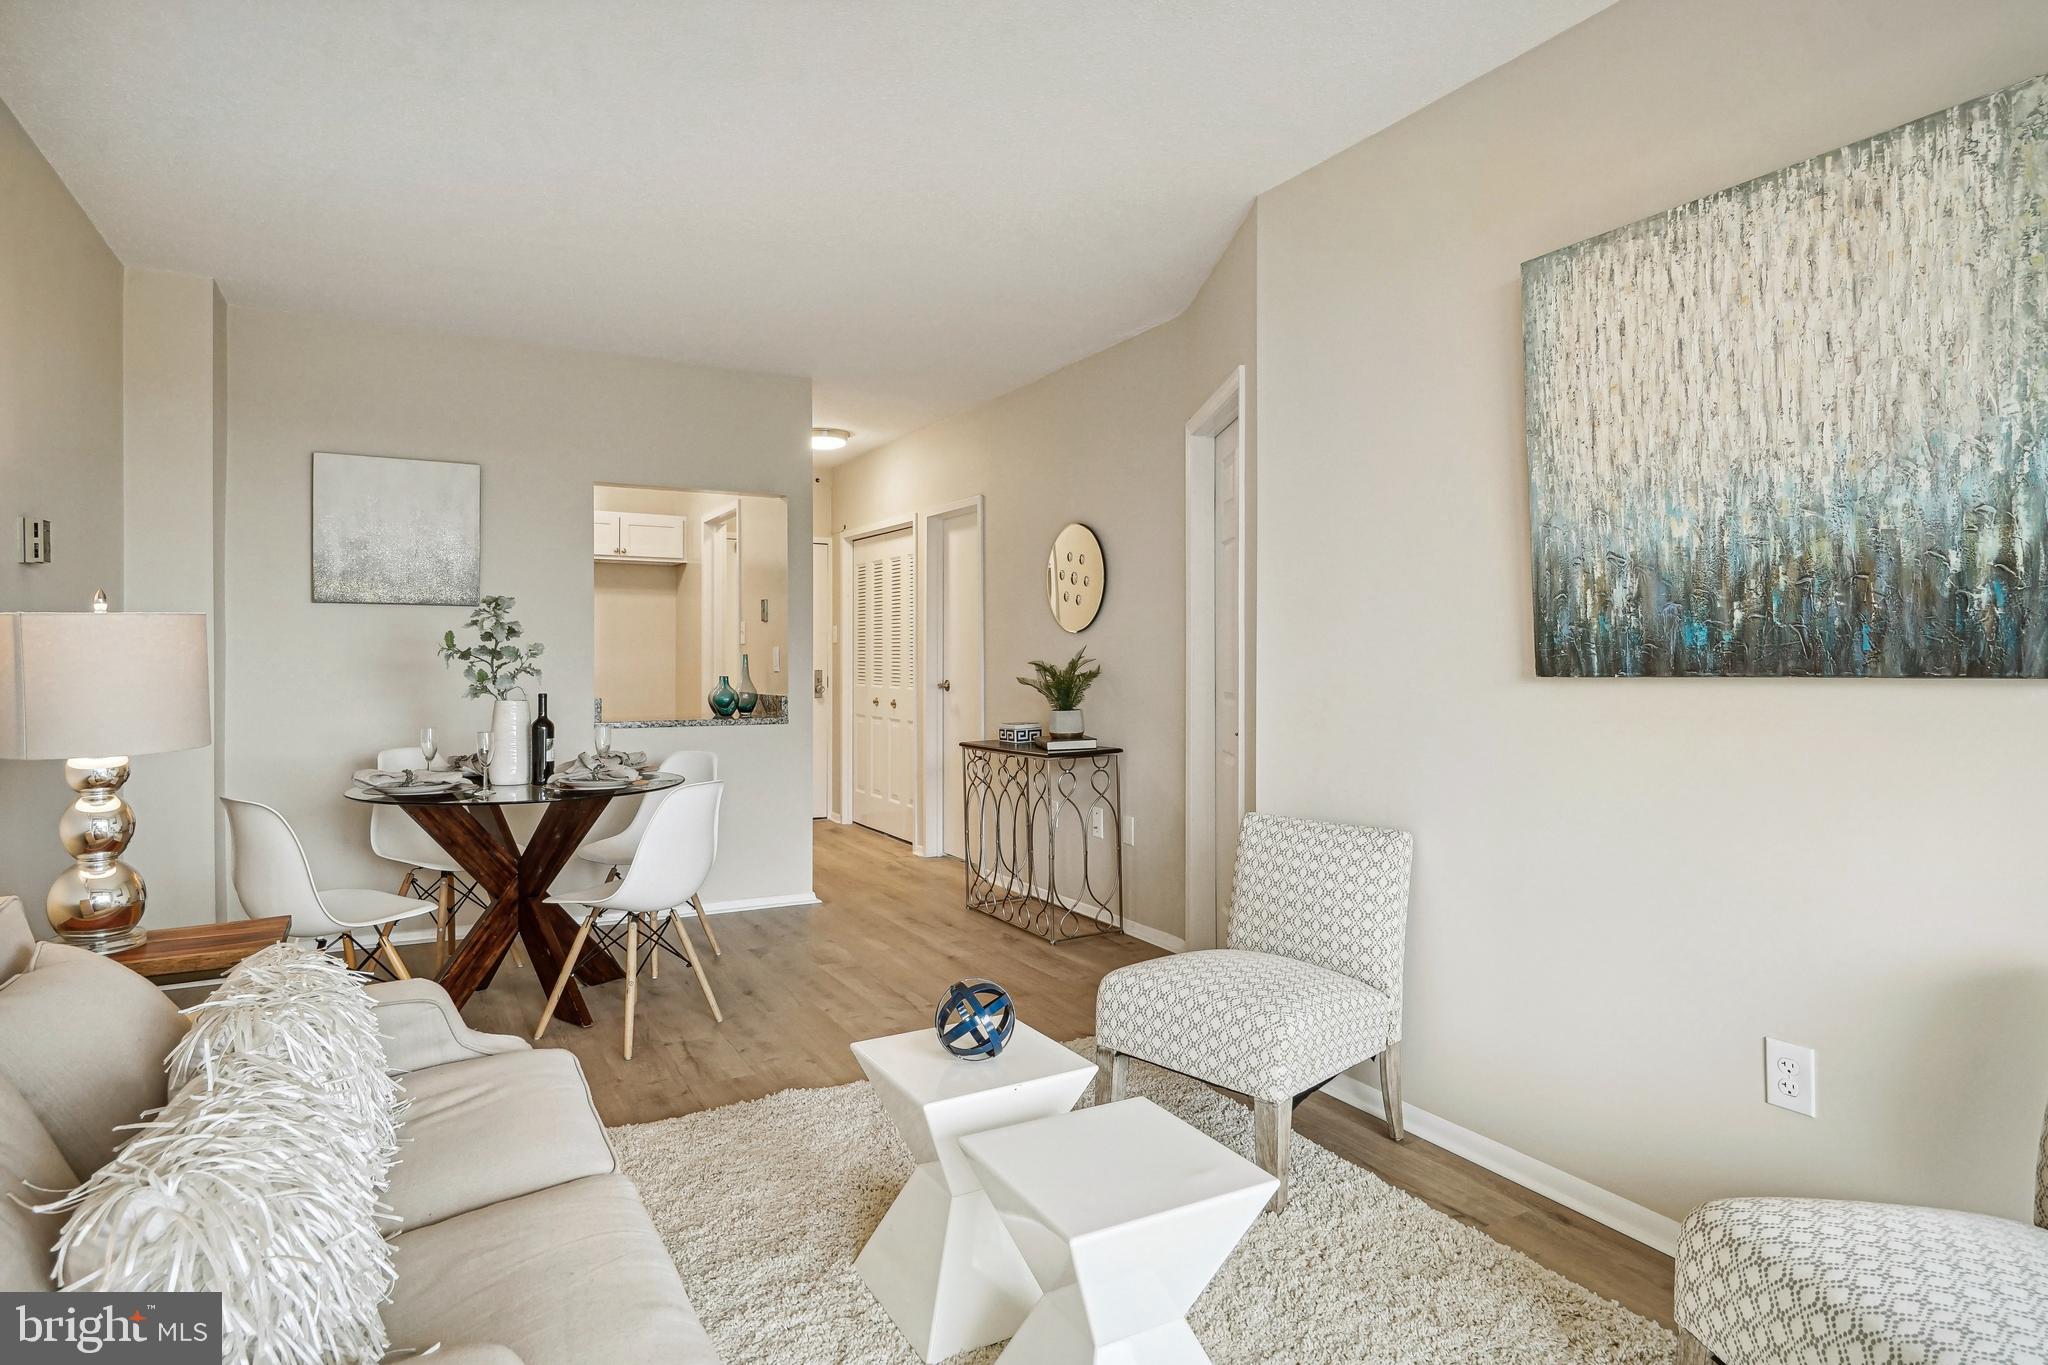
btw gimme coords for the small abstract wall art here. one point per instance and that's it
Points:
(1800, 427)
(395, 530)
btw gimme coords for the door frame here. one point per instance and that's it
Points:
(842, 572)
(707, 619)
(1226, 405)
(930, 813)
(830, 663)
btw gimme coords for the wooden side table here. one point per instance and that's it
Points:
(201, 949)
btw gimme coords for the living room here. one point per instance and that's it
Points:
(1239, 456)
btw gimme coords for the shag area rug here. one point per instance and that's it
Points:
(764, 1205)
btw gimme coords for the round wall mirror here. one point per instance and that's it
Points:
(1074, 578)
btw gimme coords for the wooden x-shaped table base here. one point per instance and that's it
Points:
(517, 880)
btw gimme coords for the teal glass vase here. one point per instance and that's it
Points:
(748, 698)
(724, 701)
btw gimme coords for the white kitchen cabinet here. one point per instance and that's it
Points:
(640, 537)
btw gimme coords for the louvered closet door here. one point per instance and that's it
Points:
(884, 681)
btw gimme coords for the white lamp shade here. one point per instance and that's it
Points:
(77, 684)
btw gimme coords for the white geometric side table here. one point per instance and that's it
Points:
(1124, 1214)
(940, 1262)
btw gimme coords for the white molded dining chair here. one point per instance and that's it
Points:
(615, 851)
(272, 877)
(675, 855)
(397, 837)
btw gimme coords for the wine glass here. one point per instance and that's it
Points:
(427, 748)
(604, 740)
(483, 756)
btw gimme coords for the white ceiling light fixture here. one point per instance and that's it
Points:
(829, 438)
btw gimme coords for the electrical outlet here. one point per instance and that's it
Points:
(1096, 826)
(1789, 1076)
(35, 540)
(1131, 830)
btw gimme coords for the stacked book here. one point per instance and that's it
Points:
(1074, 744)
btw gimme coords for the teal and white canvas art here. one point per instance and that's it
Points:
(1800, 427)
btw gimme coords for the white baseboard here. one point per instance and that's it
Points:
(1144, 933)
(1625, 1216)
(1158, 938)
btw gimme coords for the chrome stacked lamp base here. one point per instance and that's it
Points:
(98, 903)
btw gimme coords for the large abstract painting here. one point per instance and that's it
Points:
(1800, 427)
(392, 530)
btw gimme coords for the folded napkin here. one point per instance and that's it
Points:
(379, 778)
(588, 767)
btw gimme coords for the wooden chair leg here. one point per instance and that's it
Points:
(1272, 1136)
(1112, 1075)
(391, 957)
(444, 917)
(1691, 1351)
(697, 904)
(632, 977)
(703, 981)
(405, 883)
(568, 970)
(348, 952)
(1390, 1091)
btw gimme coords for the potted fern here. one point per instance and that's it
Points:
(493, 667)
(1063, 686)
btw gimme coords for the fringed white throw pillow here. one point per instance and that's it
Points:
(261, 1178)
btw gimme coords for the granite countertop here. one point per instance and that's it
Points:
(756, 719)
(774, 710)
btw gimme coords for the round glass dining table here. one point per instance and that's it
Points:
(470, 826)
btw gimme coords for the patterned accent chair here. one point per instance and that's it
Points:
(1309, 986)
(1767, 1280)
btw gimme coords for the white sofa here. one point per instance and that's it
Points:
(515, 1240)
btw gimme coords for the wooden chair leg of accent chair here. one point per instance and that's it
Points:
(697, 904)
(1390, 1091)
(1691, 1351)
(1112, 1075)
(697, 966)
(391, 957)
(562, 977)
(1272, 1137)
(632, 976)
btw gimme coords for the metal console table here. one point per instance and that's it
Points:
(1029, 818)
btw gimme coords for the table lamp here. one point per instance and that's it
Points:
(101, 682)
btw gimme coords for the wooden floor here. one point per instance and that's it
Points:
(799, 985)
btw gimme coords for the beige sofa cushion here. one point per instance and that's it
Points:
(17, 943)
(567, 1276)
(27, 1158)
(86, 1042)
(491, 1128)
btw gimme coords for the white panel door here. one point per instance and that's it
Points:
(821, 683)
(1228, 668)
(960, 688)
(885, 681)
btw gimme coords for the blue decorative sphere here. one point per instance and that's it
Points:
(975, 1019)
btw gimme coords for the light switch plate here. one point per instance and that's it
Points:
(35, 540)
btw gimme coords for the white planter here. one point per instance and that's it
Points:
(1066, 725)
(509, 764)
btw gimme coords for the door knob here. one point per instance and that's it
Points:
(874, 701)
(945, 684)
(892, 705)
(818, 682)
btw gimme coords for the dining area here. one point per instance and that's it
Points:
(463, 844)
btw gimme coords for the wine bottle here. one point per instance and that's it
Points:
(542, 746)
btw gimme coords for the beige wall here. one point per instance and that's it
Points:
(60, 458)
(315, 689)
(1103, 442)
(1620, 888)
(174, 432)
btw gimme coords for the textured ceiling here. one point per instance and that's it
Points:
(919, 204)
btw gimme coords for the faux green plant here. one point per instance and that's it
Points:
(496, 662)
(1063, 685)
